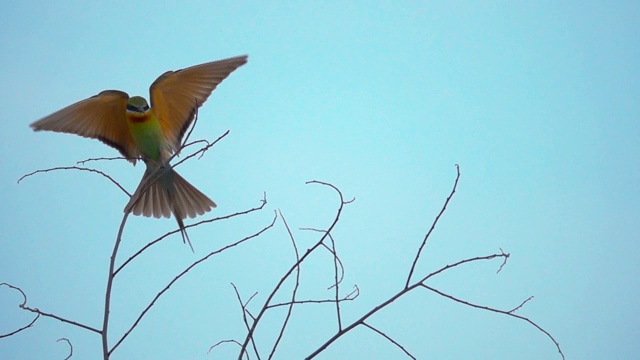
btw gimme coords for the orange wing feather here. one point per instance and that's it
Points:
(101, 117)
(176, 95)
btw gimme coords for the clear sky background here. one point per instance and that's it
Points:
(538, 102)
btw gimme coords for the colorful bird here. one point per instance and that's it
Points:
(152, 134)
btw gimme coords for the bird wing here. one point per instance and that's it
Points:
(176, 95)
(101, 117)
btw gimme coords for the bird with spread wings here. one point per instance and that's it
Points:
(151, 133)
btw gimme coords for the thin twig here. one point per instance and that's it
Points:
(22, 328)
(82, 162)
(335, 257)
(433, 225)
(75, 168)
(139, 252)
(293, 267)
(521, 305)
(243, 306)
(337, 282)
(203, 149)
(508, 313)
(39, 313)
(349, 297)
(70, 347)
(393, 298)
(60, 318)
(295, 288)
(390, 340)
(224, 342)
(504, 262)
(336, 262)
(465, 261)
(107, 297)
(194, 264)
(24, 296)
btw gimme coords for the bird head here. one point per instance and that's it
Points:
(137, 105)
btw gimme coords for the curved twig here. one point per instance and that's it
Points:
(293, 267)
(75, 168)
(70, 347)
(39, 313)
(433, 225)
(224, 342)
(335, 257)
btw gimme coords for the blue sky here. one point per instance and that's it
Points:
(538, 102)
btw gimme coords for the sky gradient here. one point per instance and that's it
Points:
(537, 102)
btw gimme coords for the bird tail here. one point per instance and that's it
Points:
(162, 192)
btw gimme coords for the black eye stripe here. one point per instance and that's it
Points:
(131, 107)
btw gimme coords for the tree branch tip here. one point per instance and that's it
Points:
(222, 342)
(521, 305)
(70, 347)
(505, 257)
(24, 296)
(82, 162)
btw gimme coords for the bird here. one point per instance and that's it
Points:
(152, 134)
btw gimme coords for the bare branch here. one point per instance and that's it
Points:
(508, 313)
(246, 305)
(335, 257)
(292, 268)
(447, 267)
(521, 305)
(433, 225)
(24, 296)
(71, 322)
(337, 282)
(22, 328)
(70, 347)
(349, 297)
(503, 262)
(224, 342)
(143, 313)
(82, 162)
(107, 297)
(39, 313)
(390, 340)
(243, 306)
(79, 169)
(393, 298)
(295, 288)
(202, 150)
(336, 262)
(24, 302)
(144, 248)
